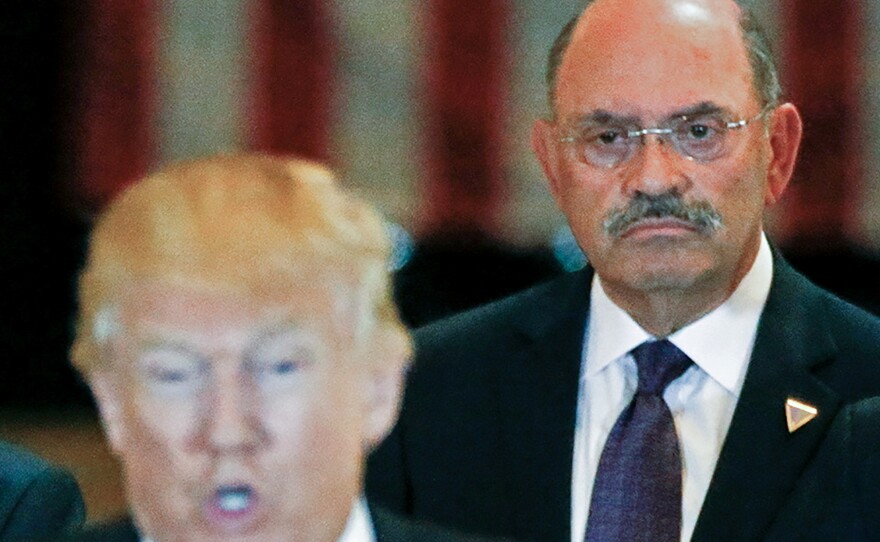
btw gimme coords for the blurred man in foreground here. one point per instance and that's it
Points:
(237, 332)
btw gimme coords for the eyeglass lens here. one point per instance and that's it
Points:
(702, 138)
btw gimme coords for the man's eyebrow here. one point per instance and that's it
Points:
(604, 117)
(279, 328)
(600, 117)
(702, 108)
(161, 342)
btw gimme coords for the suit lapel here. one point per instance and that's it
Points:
(760, 460)
(117, 530)
(537, 398)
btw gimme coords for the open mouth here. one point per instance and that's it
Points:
(234, 499)
(232, 507)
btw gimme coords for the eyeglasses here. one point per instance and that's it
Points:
(701, 137)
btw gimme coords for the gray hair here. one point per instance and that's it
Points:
(765, 75)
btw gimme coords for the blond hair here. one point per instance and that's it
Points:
(240, 222)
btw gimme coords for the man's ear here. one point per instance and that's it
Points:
(384, 386)
(545, 147)
(105, 388)
(786, 130)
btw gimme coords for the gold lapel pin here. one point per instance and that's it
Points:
(798, 414)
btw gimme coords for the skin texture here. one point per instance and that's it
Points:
(650, 60)
(209, 388)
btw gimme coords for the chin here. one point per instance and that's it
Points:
(662, 275)
(209, 535)
(662, 282)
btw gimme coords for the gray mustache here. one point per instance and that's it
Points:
(699, 214)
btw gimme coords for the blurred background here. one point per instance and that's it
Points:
(423, 106)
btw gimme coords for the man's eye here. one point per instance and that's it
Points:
(279, 374)
(170, 370)
(284, 360)
(699, 131)
(279, 368)
(703, 128)
(174, 379)
(284, 367)
(171, 376)
(610, 136)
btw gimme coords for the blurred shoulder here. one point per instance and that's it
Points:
(37, 499)
(20, 465)
(118, 530)
(393, 528)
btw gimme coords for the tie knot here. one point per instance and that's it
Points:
(659, 363)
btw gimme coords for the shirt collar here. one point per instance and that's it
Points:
(611, 331)
(359, 527)
(720, 342)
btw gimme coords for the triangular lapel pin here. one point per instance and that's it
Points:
(798, 414)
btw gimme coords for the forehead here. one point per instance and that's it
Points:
(647, 57)
(227, 319)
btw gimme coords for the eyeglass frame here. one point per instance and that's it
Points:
(662, 132)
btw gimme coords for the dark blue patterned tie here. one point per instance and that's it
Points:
(637, 492)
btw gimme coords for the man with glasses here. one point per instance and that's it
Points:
(678, 387)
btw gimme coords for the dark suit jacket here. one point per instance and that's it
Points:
(36, 499)
(389, 528)
(485, 438)
(838, 498)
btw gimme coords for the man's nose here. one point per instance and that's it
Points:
(656, 168)
(232, 421)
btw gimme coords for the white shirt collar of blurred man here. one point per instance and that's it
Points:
(359, 527)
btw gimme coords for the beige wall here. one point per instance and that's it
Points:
(202, 74)
(870, 96)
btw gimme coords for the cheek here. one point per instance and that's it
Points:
(583, 195)
(169, 420)
(741, 200)
(317, 441)
(157, 440)
(312, 424)
(586, 201)
(161, 469)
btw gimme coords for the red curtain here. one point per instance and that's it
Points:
(465, 81)
(111, 97)
(293, 74)
(821, 62)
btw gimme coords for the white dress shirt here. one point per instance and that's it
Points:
(359, 527)
(702, 400)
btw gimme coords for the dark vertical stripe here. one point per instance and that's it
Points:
(465, 83)
(821, 61)
(293, 77)
(109, 125)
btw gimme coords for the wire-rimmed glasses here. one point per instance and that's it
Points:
(701, 137)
